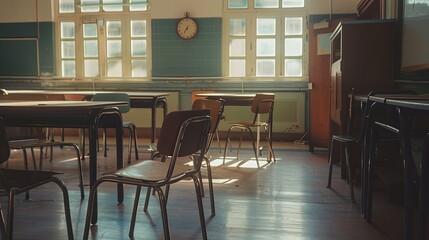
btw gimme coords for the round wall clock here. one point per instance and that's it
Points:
(187, 27)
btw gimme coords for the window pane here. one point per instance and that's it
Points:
(293, 26)
(293, 67)
(138, 48)
(114, 68)
(114, 48)
(293, 3)
(138, 28)
(237, 3)
(266, 3)
(91, 68)
(237, 27)
(67, 49)
(90, 48)
(237, 48)
(293, 47)
(68, 68)
(89, 30)
(90, 8)
(139, 68)
(237, 68)
(66, 6)
(112, 5)
(265, 67)
(266, 26)
(67, 29)
(113, 28)
(138, 5)
(265, 47)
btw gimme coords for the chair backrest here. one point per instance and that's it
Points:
(216, 108)
(184, 133)
(112, 97)
(263, 103)
(367, 115)
(4, 143)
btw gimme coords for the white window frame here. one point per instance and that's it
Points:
(79, 18)
(251, 14)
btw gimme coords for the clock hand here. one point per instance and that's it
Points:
(186, 29)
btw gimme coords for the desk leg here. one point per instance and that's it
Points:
(423, 206)
(405, 123)
(93, 166)
(119, 155)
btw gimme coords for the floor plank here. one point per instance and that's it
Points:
(283, 200)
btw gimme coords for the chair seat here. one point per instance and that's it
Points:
(152, 171)
(16, 178)
(345, 138)
(248, 124)
(128, 124)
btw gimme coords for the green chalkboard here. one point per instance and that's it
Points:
(18, 57)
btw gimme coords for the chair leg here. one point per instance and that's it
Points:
(210, 179)
(105, 142)
(90, 209)
(79, 168)
(256, 151)
(200, 207)
(134, 214)
(10, 214)
(218, 141)
(146, 203)
(349, 169)
(226, 145)
(331, 164)
(239, 144)
(130, 144)
(136, 146)
(163, 206)
(66, 207)
(2, 224)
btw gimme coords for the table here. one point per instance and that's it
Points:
(69, 114)
(137, 100)
(407, 106)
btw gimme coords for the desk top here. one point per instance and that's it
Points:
(30, 107)
(132, 94)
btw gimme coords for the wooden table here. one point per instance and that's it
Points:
(407, 107)
(69, 114)
(137, 100)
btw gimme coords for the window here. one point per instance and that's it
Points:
(99, 41)
(265, 39)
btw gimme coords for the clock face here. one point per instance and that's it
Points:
(187, 28)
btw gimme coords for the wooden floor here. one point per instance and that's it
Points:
(283, 200)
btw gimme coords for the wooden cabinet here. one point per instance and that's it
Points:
(362, 57)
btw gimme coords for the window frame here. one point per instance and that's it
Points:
(79, 18)
(251, 14)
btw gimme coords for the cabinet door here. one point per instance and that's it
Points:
(336, 92)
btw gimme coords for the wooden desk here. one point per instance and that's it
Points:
(69, 114)
(407, 107)
(137, 100)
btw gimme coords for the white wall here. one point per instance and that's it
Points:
(177, 8)
(338, 6)
(25, 10)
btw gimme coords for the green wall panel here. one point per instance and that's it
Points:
(175, 57)
(18, 58)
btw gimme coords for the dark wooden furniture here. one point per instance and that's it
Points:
(320, 80)
(370, 9)
(69, 114)
(362, 57)
(139, 99)
(408, 107)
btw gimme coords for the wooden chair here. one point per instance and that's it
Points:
(14, 181)
(262, 108)
(128, 125)
(183, 134)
